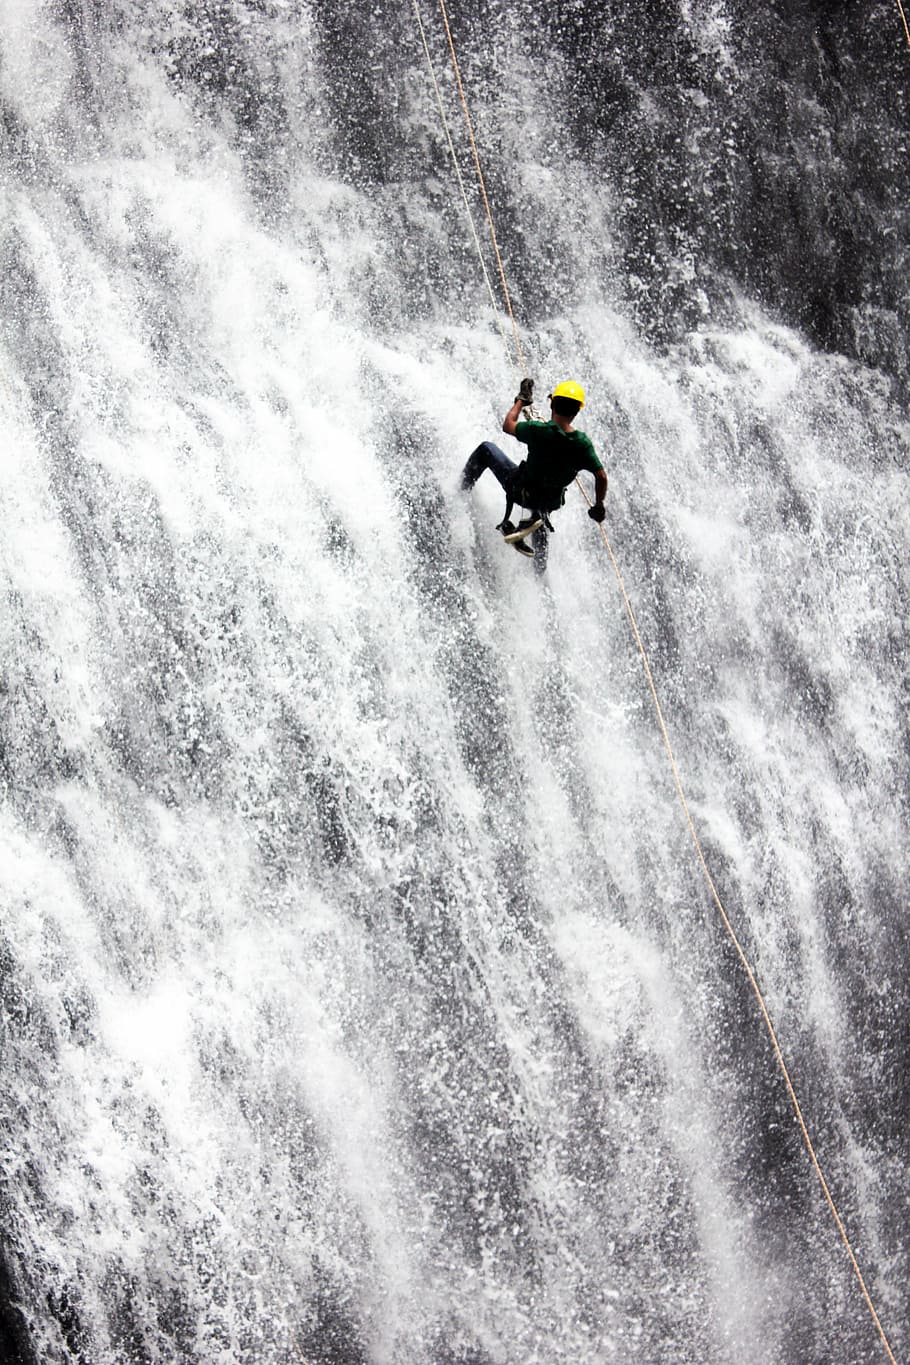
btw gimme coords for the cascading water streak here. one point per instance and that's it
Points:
(360, 996)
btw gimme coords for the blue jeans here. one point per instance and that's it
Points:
(489, 456)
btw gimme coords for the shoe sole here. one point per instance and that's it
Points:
(525, 531)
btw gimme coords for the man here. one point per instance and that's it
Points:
(556, 453)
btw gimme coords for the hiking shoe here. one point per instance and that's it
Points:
(524, 528)
(522, 547)
(507, 528)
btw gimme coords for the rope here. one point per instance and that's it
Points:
(482, 183)
(904, 18)
(791, 1091)
(461, 184)
(756, 989)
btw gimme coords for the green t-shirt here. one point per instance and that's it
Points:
(554, 458)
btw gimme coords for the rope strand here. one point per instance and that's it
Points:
(734, 939)
(460, 178)
(482, 183)
(904, 18)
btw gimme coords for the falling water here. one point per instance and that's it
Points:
(362, 999)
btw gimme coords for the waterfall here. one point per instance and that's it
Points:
(361, 997)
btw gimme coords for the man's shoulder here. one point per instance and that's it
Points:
(586, 446)
(529, 431)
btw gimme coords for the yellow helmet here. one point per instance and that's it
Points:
(569, 389)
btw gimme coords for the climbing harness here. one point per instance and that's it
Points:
(725, 919)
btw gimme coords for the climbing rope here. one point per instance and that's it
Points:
(756, 989)
(728, 926)
(460, 178)
(904, 19)
(483, 187)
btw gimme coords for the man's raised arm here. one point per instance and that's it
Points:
(513, 417)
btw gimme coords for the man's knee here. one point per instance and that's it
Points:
(486, 456)
(478, 461)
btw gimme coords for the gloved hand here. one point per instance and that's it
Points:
(597, 512)
(525, 394)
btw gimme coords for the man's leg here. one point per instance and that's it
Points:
(488, 456)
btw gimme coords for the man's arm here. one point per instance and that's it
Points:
(512, 417)
(598, 511)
